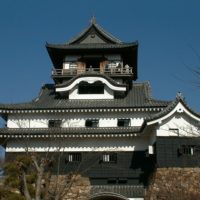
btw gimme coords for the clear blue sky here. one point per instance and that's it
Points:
(168, 33)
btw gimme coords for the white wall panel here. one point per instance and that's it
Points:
(81, 144)
(185, 125)
(71, 120)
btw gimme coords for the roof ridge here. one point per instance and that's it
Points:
(44, 86)
(99, 28)
(111, 36)
(74, 38)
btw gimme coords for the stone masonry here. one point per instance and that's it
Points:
(73, 188)
(174, 184)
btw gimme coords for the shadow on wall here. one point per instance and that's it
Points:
(146, 163)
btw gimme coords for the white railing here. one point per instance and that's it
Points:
(111, 71)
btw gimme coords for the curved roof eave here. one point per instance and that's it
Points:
(90, 75)
(90, 80)
(91, 46)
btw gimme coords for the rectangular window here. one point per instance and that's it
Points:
(112, 181)
(55, 123)
(186, 150)
(74, 157)
(123, 122)
(197, 150)
(119, 181)
(91, 88)
(122, 181)
(73, 65)
(109, 157)
(92, 123)
(174, 130)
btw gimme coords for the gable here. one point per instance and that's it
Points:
(94, 34)
(178, 108)
(180, 121)
(179, 124)
(93, 37)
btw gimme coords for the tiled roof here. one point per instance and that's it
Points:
(70, 130)
(124, 190)
(112, 42)
(102, 31)
(138, 97)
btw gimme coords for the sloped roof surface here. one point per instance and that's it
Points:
(102, 39)
(72, 130)
(138, 96)
(97, 29)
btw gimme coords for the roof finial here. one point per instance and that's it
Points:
(93, 20)
(179, 95)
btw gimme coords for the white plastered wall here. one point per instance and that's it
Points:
(179, 124)
(70, 120)
(78, 144)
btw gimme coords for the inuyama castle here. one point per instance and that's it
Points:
(100, 120)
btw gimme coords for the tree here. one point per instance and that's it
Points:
(31, 176)
(37, 176)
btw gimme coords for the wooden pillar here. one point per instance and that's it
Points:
(103, 65)
(81, 66)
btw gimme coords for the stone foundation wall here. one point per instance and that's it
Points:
(174, 184)
(73, 188)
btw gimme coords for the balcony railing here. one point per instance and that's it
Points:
(111, 71)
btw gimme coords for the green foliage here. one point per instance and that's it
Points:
(12, 181)
(15, 171)
(12, 169)
(6, 194)
(31, 190)
(25, 160)
(31, 178)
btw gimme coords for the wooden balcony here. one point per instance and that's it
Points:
(123, 71)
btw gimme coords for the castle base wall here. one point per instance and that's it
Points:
(174, 184)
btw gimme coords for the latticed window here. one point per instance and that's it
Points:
(189, 150)
(95, 88)
(186, 150)
(92, 123)
(197, 149)
(174, 130)
(123, 122)
(55, 123)
(74, 157)
(109, 157)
